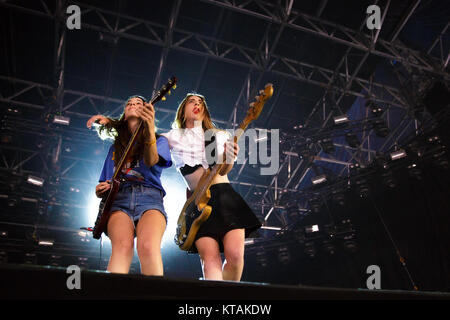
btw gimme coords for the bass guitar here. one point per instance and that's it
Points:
(104, 211)
(196, 209)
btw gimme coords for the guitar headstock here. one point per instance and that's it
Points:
(256, 107)
(165, 89)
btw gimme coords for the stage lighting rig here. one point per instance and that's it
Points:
(58, 119)
(352, 140)
(310, 249)
(327, 145)
(341, 119)
(37, 181)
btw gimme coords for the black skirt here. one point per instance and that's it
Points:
(229, 211)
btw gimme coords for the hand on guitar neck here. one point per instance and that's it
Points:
(102, 187)
(231, 150)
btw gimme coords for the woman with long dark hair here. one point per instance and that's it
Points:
(138, 209)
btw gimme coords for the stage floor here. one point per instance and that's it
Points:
(40, 282)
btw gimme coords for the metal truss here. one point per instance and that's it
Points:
(341, 80)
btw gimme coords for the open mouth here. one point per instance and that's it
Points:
(196, 111)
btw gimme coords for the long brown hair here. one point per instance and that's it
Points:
(180, 121)
(117, 129)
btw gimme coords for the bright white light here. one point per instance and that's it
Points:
(340, 119)
(271, 228)
(173, 204)
(249, 241)
(313, 228)
(46, 242)
(29, 199)
(36, 181)
(319, 179)
(82, 234)
(261, 139)
(398, 154)
(61, 120)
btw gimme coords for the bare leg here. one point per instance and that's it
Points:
(121, 233)
(149, 232)
(233, 243)
(209, 252)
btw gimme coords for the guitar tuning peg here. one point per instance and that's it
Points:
(252, 104)
(268, 85)
(261, 91)
(174, 86)
(163, 98)
(168, 92)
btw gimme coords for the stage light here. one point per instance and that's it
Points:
(338, 196)
(31, 200)
(3, 234)
(12, 202)
(47, 243)
(398, 154)
(261, 258)
(315, 202)
(271, 228)
(349, 243)
(248, 242)
(261, 139)
(283, 255)
(3, 257)
(352, 140)
(327, 145)
(55, 261)
(362, 188)
(14, 111)
(312, 229)
(61, 120)
(35, 181)
(389, 180)
(414, 171)
(340, 119)
(328, 247)
(83, 262)
(30, 258)
(319, 179)
(310, 249)
(82, 234)
(380, 128)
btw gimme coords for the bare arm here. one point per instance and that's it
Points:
(147, 113)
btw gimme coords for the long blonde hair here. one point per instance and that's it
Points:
(180, 120)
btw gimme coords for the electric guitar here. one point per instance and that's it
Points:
(196, 209)
(104, 211)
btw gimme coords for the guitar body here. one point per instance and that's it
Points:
(194, 213)
(104, 210)
(196, 210)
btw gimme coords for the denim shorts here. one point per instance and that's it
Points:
(135, 199)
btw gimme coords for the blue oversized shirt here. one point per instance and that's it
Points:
(147, 176)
